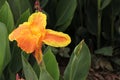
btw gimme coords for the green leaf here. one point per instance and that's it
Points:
(4, 48)
(79, 64)
(6, 17)
(44, 75)
(116, 7)
(43, 3)
(23, 17)
(116, 60)
(91, 21)
(65, 12)
(28, 70)
(105, 3)
(16, 61)
(18, 7)
(2, 2)
(106, 51)
(65, 25)
(51, 64)
(36, 69)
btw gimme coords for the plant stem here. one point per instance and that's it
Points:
(112, 27)
(112, 30)
(80, 10)
(99, 25)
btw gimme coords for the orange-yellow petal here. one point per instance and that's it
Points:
(25, 39)
(38, 55)
(15, 34)
(38, 19)
(56, 39)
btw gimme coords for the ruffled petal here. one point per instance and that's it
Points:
(38, 19)
(15, 34)
(56, 39)
(26, 41)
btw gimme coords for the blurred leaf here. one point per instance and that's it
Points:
(91, 22)
(64, 52)
(43, 3)
(65, 25)
(103, 63)
(116, 60)
(105, 3)
(2, 2)
(65, 12)
(116, 7)
(79, 64)
(16, 62)
(12, 75)
(2, 77)
(106, 51)
(51, 65)
(28, 70)
(6, 17)
(23, 17)
(18, 7)
(4, 48)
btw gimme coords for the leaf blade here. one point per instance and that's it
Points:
(28, 70)
(79, 64)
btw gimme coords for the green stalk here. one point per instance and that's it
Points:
(80, 10)
(99, 25)
(112, 27)
(112, 30)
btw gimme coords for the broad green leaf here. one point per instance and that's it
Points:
(23, 17)
(4, 48)
(16, 61)
(6, 17)
(65, 12)
(106, 51)
(79, 64)
(2, 2)
(18, 7)
(28, 70)
(12, 76)
(36, 69)
(65, 25)
(105, 3)
(44, 75)
(2, 77)
(7, 54)
(51, 64)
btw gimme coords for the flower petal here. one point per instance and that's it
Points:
(56, 39)
(38, 19)
(26, 41)
(38, 55)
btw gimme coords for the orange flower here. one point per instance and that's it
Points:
(30, 36)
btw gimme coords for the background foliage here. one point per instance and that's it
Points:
(95, 21)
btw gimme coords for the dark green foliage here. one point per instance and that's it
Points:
(95, 21)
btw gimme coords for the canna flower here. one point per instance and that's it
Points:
(32, 34)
